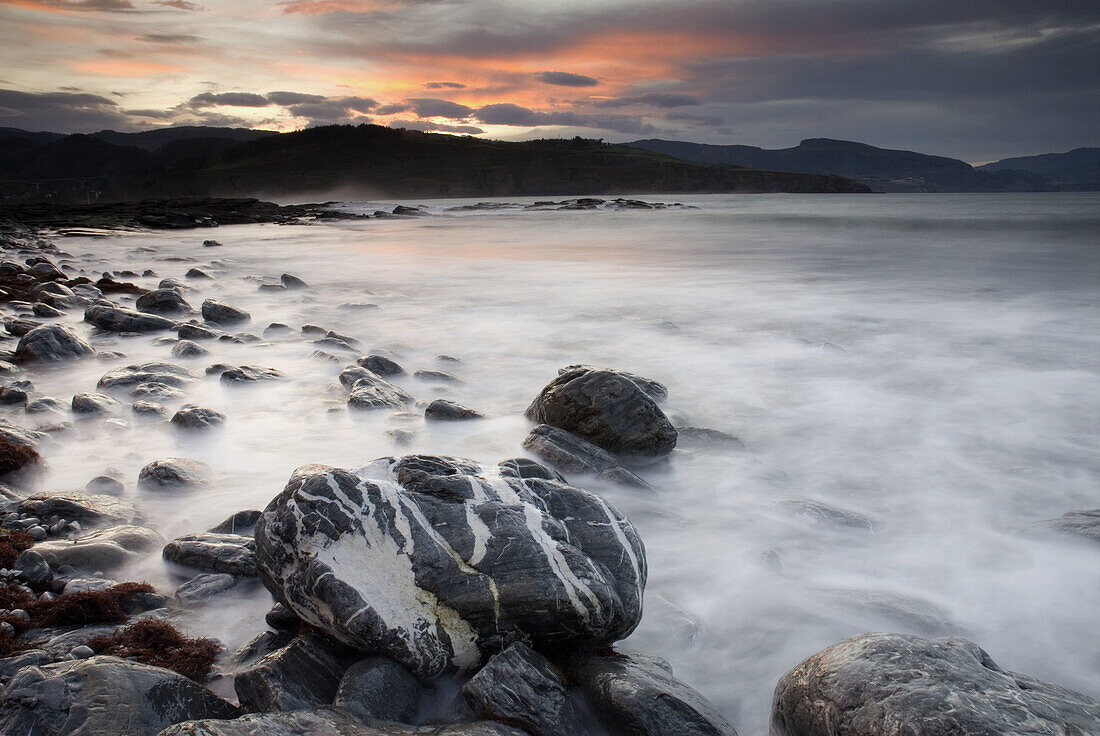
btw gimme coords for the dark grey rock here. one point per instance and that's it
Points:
(242, 522)
(149, 409)
(823, 513)
(624, 477)
(105, 484)
(13, 396)
(1084, 523)
(102, 549)
(463, 560)
(132, 375)
(257, 648)
(702, 437)
(217, 311)
(519, 686)
(292, 282)
(204, 586)
(878, 684)
(191, 416)
(33, 567)
(46, 404)
(174, 473)
(188, 349)
(608, 408)
(232, 554)
(566, 451)
(46, 311)
(638, 696)
(305, 674)
(163, 301)
(30, 658)
(276, 328)
(250, 374)
(20, 327)
(654, 389)
(51, 344)
(282, 618)
(377, 688)
(89, 509)
(328, 722)
(437, 376)
(156, 390)
(522, 467)
(20, 435)
(94, 404)
(188, 331)
(103, 695)
(381, 365)
(370, 391)
(197, 273)
(120, 319)
(442, 410)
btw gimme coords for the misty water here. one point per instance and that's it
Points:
(926, 363)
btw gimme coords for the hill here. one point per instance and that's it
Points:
(365, 161)
(881, 169)
(1076, 169)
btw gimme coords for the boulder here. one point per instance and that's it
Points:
(327, 722)
(381, 365)
(377, 688)
(174, 473)
(232, 554)
(103, 549)
(442, 410)
(163, 301)
(292, 282)
(33, 567)
(119, 319)
(439, 562)
(611, 409)
(370, 391)
(45, 404)
(221, 313)
(188, 331)
(51, 344)
(250, 374)
(191, 416)
(302, 675)
(105, 484)
(881, 684)
(257, 648)
(203, 586)
(92, 404)
(88, 508)
(132, 375)
(103, 695)
(188, 349)
(566, 451)
(519, 686)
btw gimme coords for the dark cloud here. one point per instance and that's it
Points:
(229, 99)
(565, 79)
(392, 109)
(444, 85)
(293, 98)
(91, 5)
(153, 114)
(429, 107)
(429, 127)
(506, 113)
(652, 99)
(170, 38)
(331, 111)
(178, 4)
(62, 112)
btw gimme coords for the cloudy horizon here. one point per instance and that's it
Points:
(978, 81)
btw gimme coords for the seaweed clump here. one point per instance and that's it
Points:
(12, 542)
(15, 456)
(158, 643)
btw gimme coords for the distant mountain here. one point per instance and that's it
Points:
(365, 160)
(1079, 167)
(882, 169)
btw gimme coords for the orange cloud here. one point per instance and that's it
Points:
(125, 68)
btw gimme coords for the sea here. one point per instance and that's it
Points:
(913, 382)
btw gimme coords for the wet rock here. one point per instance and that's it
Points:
(638, 696)
(197, 274)
(174, 473)
(156, 390)
(282, 618)
(191, 416)
(877, 684)
(149, 409)
(163, 301)
(325, 722)
(31, 658)
(103, 695)
(188, 349)
(204, 586)
(305, 674)
(381, 365)
(20, 327)
(232, 554)
(275, 329)
(33, 567)
(823, 513)
(22, 436)
(520, 687)
(217, 311)
(370, 391)
(437, 376)
(473, 560)
(132, 375)
(119, 319)
(188, 331)
(51, 344)
(242, 522)
(250, 374)
(257, 648)
(94, 404)
(13, 396)
(701, 437)
(442, 410)
(566, 451)
(46, 404)
(105, 484)
(211, 244)
(377, 688)
(103, 549)
(1084, 523)
(623, 477)
(613, 410)
(907, 612)
(292, 282)
(524, 468)
(45, 311)
(89, 509)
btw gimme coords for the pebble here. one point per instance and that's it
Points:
(37, 533)
(82, 652)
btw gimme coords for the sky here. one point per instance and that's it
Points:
(978, 80)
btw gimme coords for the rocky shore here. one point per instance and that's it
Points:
(415, 594)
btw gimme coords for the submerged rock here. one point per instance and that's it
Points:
(191, 416)
(304, 674)
(174, 473)
(51, 344)
(87, 508)
(204, 586)
(369, 391)
(233, 554)
(1084, 523)
(327, 722)
(103, 695)
(94, 404)
(188, 331)
(613, 410)
(377, 688)
(566, 451)
(217, 311)
(249, 374)
(442, 410)
(188, 349)
(881, 684)
(132, 375)
(103, 549)
(381, 365)
(163, 301)
(439, 562)
(119, 319)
